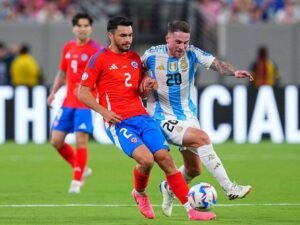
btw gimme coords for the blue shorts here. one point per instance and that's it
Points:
(135, 131)
(71, 120)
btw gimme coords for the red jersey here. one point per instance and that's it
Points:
(117, 78)
(73, 61)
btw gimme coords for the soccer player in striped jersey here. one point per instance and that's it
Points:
(173, 65)
(74, 116)
(116, 71)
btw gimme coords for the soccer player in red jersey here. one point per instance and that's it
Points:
(116, 72)
(74, 116)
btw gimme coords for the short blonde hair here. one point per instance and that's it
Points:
(179, 25)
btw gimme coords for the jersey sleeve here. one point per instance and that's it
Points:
(63, 61)
(145, 58)
(92, 71)
(205, 59)
(148, 59)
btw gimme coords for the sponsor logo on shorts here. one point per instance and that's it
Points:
(82, 126)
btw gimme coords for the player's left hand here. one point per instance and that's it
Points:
(243, 74)
(147, 85)
(150, 84)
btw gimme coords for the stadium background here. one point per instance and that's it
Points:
(229, 29)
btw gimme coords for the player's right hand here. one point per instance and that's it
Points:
(111, 117)
(50, 100)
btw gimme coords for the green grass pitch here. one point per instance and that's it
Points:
(34, 181)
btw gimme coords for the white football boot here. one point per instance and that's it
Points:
(86, 173)
(168, 198)
(75, 187)
(236, 191)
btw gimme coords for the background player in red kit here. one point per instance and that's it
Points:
(117, 73)
(74, 116)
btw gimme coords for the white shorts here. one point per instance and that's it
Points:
(174, 130)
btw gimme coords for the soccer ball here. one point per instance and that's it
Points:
(202, 196)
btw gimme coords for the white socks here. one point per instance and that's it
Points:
(187, 178)
(212, 162)
(187, 206)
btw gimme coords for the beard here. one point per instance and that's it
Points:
(123, 47)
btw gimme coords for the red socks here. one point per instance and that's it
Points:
(140, 180)
(80, 163)
(76, 159)
(178, 186)
(176, 182)
(67, 152)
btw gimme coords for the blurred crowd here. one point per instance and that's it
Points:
(150, 18)
(146, 11)
(18, 66)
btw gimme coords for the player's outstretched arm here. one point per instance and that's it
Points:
(229, 70)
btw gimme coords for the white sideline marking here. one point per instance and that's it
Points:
(124, 205)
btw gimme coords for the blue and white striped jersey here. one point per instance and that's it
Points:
(176, 94)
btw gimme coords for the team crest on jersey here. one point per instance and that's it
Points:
(85, 76)
(68, 55)
(172, 66)
(134, 64)
(183, 64)
(133, 140)
(84, 57)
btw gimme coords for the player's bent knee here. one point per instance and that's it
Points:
(193, 172)
(203, 139)
(162, 156)
(146, 162)
(166, 162)
(81, 145)
(58, 146)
